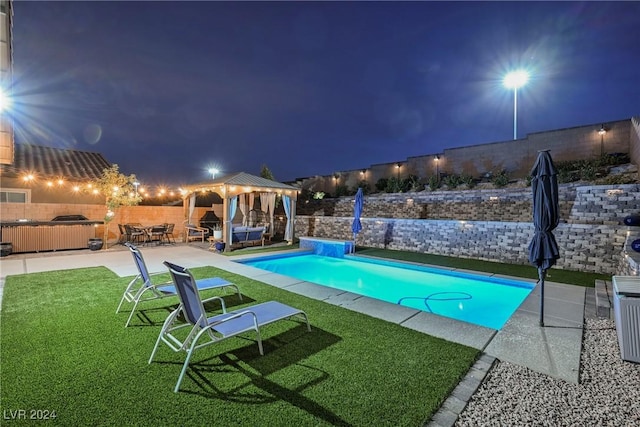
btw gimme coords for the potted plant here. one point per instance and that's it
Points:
(217, 232)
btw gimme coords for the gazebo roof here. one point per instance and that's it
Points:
(244, 182)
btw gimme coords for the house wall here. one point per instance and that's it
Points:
(40, 192)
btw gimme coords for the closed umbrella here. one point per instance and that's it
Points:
(543, 249)
(356, 225)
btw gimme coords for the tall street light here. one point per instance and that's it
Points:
(213, 172)
(515, 80)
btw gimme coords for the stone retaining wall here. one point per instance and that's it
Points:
(595, 204)
(583, 247)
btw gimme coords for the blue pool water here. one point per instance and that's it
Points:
(477, 299)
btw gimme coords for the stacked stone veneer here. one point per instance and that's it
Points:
(474, 205)
(493, 225)
(598, 204)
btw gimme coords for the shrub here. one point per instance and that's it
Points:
(342, 190)
(588, 171)
(614, 159)
(565, 176)
(411, 183)
(451, 181)
(434, 183)
(501, 179)
(618, 179)
(381, 185)
(393, 185)
(467, 180)
(366, 188)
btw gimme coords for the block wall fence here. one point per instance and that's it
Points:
(514, 156)
(492, 225)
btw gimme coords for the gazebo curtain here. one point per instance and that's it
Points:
(268, 204)
(244, 208)
(233, 206)
(286, 202)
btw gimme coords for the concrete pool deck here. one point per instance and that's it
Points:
(552, 350)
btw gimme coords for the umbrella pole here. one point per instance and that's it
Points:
(541, 274)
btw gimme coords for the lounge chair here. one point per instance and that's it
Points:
(141, 288)
(217, 327)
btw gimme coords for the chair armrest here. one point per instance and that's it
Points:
(158, 273)
(197, 230)
(224, 308)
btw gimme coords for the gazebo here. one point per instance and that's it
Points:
(239, 190)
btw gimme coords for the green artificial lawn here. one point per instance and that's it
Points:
(64, 349)
(516, 270)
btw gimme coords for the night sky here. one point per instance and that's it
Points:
(168, 89)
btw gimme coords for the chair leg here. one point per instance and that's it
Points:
(120, 305)
(155, 348)
(184, 368)
(133, 310)
(259, 342)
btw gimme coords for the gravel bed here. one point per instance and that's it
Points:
(608, 393)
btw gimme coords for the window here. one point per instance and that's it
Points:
(14, 195)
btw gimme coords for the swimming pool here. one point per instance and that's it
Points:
(481, 300)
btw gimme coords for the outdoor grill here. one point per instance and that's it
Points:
(70, 218)
(210, 220)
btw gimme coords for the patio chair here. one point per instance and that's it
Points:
(216, 328)
(141, 288)
(157, 234)
(134, 234)
(168, 233)
(123, 235)
(196, 233)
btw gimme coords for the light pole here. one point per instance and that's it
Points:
(515, 80)
(601, 132)
(135, 185)
(437, 160)
(213, 172)
(398, 165)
